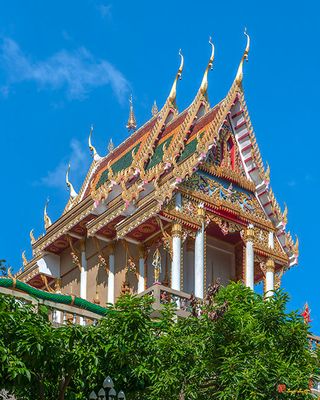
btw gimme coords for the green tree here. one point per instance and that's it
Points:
(236, 346)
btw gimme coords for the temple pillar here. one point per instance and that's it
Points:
(141, 279)
(111, 274)
(83, 276)
(199, 256)
(83, 272)
(176, 256)
(249, 267)
(269, 283)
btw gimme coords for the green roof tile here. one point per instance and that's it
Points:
(158, 154)
(123, 163)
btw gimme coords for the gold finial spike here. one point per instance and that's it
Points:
(24, 258)
(204, 83)
(47, 220)
(93, 150)
(173, 91)
(285, 213)
(10, 273)
(32, 238)
(296, 247)
(132, 123)
(154, 110)
(239, 75)
(73, 193)
(267, 173)
(110, 146)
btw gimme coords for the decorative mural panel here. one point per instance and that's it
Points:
(222, 191)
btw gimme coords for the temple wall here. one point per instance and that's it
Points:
(97, 277)
(220, 264)
(220, 261)
(70, 274)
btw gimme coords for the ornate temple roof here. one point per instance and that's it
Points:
(143, 172)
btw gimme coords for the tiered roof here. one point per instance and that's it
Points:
(135, 179)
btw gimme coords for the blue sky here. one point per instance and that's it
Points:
(65, 65)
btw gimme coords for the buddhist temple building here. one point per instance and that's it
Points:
(184, 200)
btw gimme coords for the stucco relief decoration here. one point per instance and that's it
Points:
(225, 226)
(223, 191)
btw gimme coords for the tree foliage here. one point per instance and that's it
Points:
(239, 346)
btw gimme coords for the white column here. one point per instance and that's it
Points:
(199, 264)
(83, 273)
(83, 277)
(141, 269)
(57, 289)
(176, 256)
(249, 272)
(199, 256)
(111, 275)
(269, 284)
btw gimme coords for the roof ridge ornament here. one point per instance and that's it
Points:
(32, 238)
(73, 193)
(93, 150)
(47, 220)
(24, 258)
(110, 146)
(204, 83)
(154, 109)
(132, 123)
(239, 75)
(173, 92)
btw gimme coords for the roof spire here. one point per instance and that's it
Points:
(47, 220)
(173, 91)
(154, 110)
(132, 123)
(239, 75)
(73, 193)
(204, 83)
(93, 150)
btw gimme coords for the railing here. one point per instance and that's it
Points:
(314, 341)
(185, 302)
(59, 313)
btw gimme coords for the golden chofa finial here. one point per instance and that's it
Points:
(173, 92)
(239, 75)
(132, 123)
(32, 238)
(204, 83)
(93, 150)
(47, 220)
(73, 193)
(24, 258)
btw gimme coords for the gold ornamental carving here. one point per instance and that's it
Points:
(176, 230)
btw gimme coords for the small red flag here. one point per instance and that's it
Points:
(306, 314)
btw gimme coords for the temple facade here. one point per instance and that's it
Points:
(183, 201)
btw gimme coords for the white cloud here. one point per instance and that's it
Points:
(104, 10)
(292, 183)
(77, 72)
(79, 161)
